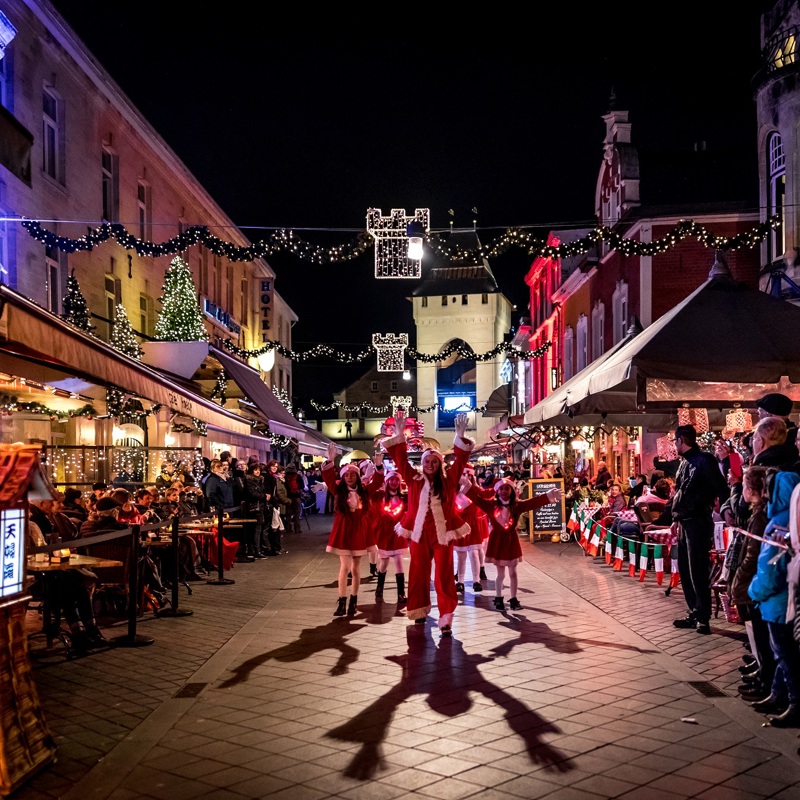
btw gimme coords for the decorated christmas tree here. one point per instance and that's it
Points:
(180, 319)
(76, 311)
(123, 337)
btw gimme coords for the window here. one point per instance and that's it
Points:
(53, 279)
(582, 349)
(108, 163)
(484, 299)
(444, 299)
(243, 304)
(598, 330)
(143, 210)
(784, 52)
(464, 299)
(392, 386)
(51, 134)
(5, 81)
(776, 171)
(203, 253)
(229, 289)
(569, 353)
(145, 314)
(619, 303)
(373, 386)
(113, 294)
(216, 280)
(424, 302)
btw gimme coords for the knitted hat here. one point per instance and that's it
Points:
(106, 504)
(775, 403)
(347, 467)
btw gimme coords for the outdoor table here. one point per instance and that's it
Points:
(51, 610)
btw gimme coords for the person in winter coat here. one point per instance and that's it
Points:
(432, 522)
(294, 491)
(350, 538)
(218, 487)
(603, 479)
(746, 551)
(697, 487)
(770, 447)
(769, 588)
(504, 549)
(281, 503)
(256, 539)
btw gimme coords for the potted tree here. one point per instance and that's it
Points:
(181, 341)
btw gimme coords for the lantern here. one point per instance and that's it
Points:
(665, 447)
(738, 421)
(697, 417)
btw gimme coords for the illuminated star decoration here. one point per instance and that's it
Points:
(391, 348)
(391, 242)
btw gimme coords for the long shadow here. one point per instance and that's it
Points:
(331, 636)
(446, 676)
(529, 632)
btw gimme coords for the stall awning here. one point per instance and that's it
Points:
(249, 381)
(31, 334)
(315, 444)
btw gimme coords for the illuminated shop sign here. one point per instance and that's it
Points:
(220, 316)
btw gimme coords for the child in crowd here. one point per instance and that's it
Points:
(504, 549)
(470, 547)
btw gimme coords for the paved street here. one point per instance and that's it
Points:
(587, 692)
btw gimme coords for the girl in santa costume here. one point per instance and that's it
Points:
(470, 547)
(349, 537)
(374, 513)
(391, 506)
(432, 521)
(504, 550)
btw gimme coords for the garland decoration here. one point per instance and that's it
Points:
(349, 358)
(10, 403)
(283, 240)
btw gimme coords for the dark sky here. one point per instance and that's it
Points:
(305, 121)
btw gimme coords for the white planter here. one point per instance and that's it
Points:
(179, 358)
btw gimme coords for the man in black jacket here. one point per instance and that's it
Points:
(697, 486)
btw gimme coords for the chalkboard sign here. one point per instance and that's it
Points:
(552, 517)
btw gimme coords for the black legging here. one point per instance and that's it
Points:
(694, 565)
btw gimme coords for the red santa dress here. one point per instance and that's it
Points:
(432, 524)
(389, 511)
(351, 534)
(504, 548)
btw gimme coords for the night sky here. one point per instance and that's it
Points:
(306, 123)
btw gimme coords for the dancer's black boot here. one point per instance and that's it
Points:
(341, 607)
(401, 589)
(352, 609)
(379, 588)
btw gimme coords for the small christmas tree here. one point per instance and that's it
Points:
(123, 337)
(76, 311)
(180, 319)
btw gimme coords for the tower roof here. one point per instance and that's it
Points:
(443, 277)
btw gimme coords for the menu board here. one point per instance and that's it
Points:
(552, 517)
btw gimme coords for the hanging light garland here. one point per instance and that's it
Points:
(9, 404)
(389, 408)
(284, 240)
(349, 358)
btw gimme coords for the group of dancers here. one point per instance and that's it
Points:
(429, 513)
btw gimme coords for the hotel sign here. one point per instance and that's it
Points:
(265, 298)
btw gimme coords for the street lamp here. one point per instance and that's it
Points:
(416, 234)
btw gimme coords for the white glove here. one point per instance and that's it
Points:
(460, 425)
(367, 469)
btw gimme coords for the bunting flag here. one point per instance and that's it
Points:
(658, 559)
(675, 576)
(619, 552)
(631, 558)
(644, 557)
(573, 523)
(609, 537)
(594, 542)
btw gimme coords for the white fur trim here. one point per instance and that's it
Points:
(464, 444)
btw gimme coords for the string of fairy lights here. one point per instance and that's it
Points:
(320, 350)
(285, 240)
(389, 408)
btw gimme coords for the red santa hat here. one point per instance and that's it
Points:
(506, 481)
(350, 466)
(392, 473)
(431, 453)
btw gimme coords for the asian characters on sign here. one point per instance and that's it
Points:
(12, 533)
